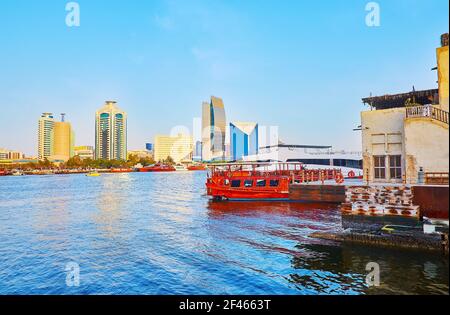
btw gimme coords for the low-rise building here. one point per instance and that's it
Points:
(141, 154)
(180, 148)
(84, 152)
(407, 134)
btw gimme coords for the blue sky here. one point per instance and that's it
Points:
(301, 65)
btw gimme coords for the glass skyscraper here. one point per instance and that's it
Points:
(110, 133)
(213, 130)
(244, 139)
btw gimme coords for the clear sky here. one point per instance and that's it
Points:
(301, 65)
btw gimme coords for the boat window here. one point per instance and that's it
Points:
(274, 183)
(261, 183)
(235, 183)
(248, 183)
(226, 182)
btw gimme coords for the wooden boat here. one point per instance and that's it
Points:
(259, 181)
(3, 173)
(157, 168)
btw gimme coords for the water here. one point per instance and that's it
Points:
(159, 234)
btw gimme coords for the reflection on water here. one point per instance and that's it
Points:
(159, 234)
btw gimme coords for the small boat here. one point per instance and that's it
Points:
(17, 173)
(3, 173)
(197, 167)
(121, 170)
(93, 174)
(157, 168)
(180, 167)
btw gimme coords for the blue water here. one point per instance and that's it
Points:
(159, 234)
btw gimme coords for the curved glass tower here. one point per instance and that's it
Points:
(213, 130)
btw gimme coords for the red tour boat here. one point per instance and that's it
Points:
(260, 181)
(197, 167)
(121, 170)
(158, 168)
(3, 172)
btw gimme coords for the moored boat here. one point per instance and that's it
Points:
(197, 167)
(3, 172)
(157, 168)
(260, 181)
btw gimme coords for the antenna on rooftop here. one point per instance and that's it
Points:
(63, 115)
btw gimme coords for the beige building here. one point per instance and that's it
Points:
(405, 133)
(179, 148)
(63, 141)
(141, 154)
(84, 152)
(213, 130)
(10, 155)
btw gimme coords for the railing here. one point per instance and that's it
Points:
(427, 111)
(436, 178)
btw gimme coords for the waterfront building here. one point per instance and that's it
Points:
(45, 136)
(408, 133)
(149, 147)
(213, 130)
(84, 152)
(63, 140)
(179, 148)
(197, 156)
(317, 155)
(141, 154)
(243, 139)
(110, 132)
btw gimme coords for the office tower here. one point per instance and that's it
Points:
(110, 133)
(63, 140)
(213, 130)
(45, 136)
(244, 139)
(179, 148)
(149, 147)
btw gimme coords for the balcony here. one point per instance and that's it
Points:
(427, 111)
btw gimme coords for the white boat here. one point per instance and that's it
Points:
(17, 173)
(180, 168)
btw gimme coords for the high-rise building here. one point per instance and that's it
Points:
(213, 130)
(179, 148)
(45, 136)
(84, 152)
(149, 147)
(244, 139)
(63, 140)
(111, 133)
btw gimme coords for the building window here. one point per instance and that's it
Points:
(395, 166)
(380, 166)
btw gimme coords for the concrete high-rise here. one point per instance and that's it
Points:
(213, 130)
(110, 132)
(45, 136)
(63, 140)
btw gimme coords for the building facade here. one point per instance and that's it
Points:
(213, 130)
(179, 148)
(45, 136)
(243, 140)
(84, 152)
(406, 133)
(110, 132)
(63, 141)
